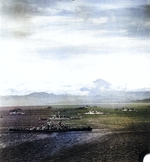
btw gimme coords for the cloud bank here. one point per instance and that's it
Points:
(61, 46)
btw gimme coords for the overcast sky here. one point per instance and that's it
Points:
(60, 46)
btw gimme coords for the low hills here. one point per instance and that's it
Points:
(43, 98)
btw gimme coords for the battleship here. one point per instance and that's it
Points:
(49, 127)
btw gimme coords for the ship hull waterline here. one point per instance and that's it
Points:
(48, 131)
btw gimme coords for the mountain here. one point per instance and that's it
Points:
(99, 91)
(36, 98)
(100, 83)
(98, 87)
(147, 100)
(42, 98)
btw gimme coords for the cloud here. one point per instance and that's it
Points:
(131, 19)
(18, 14)
(74, 43)
(67, 16)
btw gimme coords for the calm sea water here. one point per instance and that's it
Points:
(23, 147)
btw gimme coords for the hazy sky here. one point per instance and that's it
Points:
(60, 46)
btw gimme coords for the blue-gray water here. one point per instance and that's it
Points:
(23, 147)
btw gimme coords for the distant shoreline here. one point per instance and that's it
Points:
(75, 105)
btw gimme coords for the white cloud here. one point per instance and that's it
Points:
(77, 72)
(67, 50)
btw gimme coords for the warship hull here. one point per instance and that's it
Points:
(16, 130)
